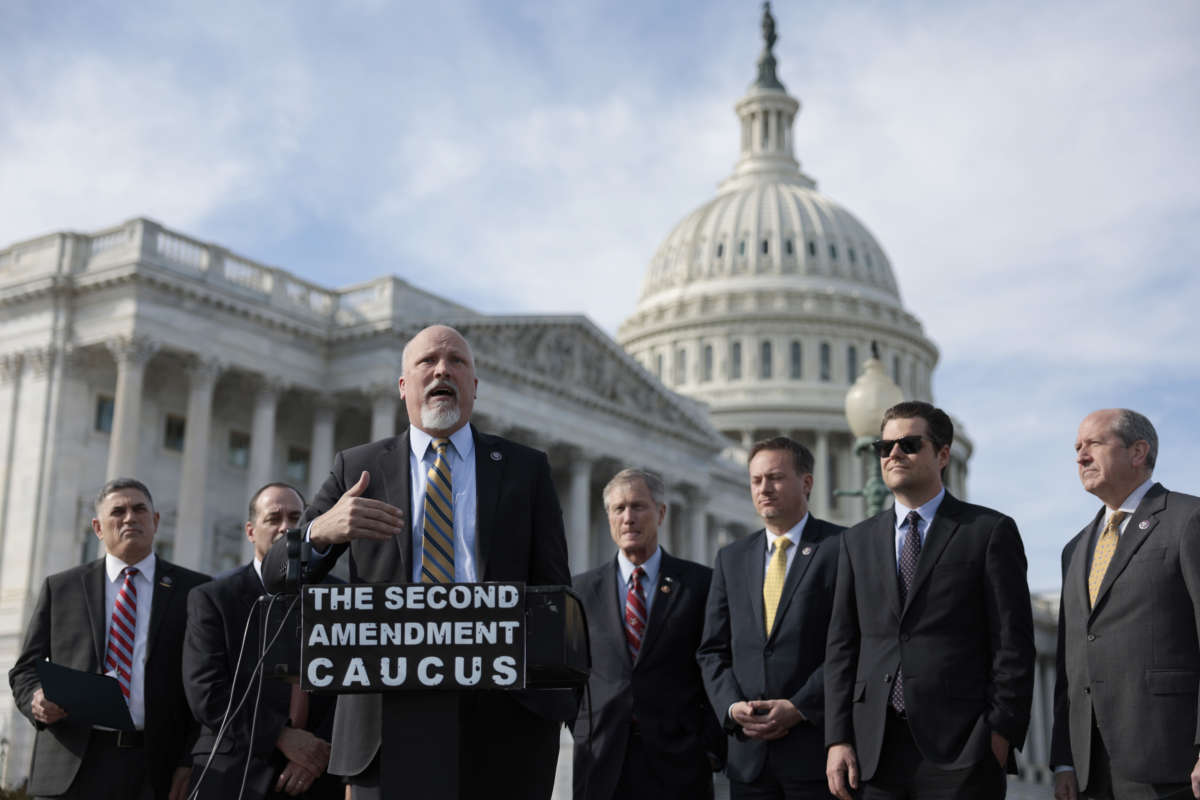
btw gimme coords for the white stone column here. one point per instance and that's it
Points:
(191, 531)
(579, 518)
(321, 452)
(695, 532)
(262, 443)
(384, 400)
(132, 354)
(819, 499)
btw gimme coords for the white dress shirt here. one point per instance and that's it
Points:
(143, 582)
(461, 455)
(625, 569)
(927, 511)
(1128, 506)
(793, 534)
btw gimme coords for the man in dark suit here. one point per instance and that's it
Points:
(481, 508)
(123, 614)
(285, 734)
(1125, 708)
(929, 668)
(649, 730)
(764, 632)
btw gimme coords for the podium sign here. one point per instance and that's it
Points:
(412, 637)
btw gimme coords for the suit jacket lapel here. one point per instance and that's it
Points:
(883, 544)
(800, 561)
(94, 579)
(392, 464)
(667, 590)
(945, 522)
(753, 566)
(1140, 526)
(489, 472)
(162, 593)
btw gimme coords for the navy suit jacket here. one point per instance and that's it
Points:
(740, 662)
(662, 688)
(964, 637)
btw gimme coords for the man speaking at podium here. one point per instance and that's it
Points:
(481, 508)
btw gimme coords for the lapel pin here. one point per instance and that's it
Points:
(807, 551)
(1143, 525)
(165, 581)
(665, 589)
(496, 455)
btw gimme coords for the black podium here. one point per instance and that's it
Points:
(435, 645)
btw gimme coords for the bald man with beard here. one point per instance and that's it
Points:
(501, 521)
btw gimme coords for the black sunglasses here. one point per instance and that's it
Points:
(908, 445)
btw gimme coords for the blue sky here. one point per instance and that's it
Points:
(1030, 168)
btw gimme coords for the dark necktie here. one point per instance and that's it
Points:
(635, 613)
(910, 552)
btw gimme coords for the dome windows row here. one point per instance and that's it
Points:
(807, 256)
(769, 359)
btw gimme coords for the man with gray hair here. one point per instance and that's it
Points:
(648, 731)
(123, 615)
(1125, 702)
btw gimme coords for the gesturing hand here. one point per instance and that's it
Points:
(356, 517)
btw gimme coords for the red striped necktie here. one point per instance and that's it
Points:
(122, 632)
(635, 613)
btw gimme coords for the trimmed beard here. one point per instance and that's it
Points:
(438, 417)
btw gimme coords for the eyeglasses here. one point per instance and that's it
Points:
(908, 445)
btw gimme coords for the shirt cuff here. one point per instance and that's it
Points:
(315, 551)
(1063, 769)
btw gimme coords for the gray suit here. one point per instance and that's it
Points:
(69, 626)
(1131, 665)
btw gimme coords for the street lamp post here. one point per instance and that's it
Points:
(870, 396)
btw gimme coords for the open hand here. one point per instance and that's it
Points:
(356, 517)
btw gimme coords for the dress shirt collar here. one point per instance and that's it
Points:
(462, 442)
(926, 510)
(793, 534)
(1132, 502)
(258, 569)
(650, 568)
(114, 565)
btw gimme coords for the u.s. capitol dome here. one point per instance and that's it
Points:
(764, 302)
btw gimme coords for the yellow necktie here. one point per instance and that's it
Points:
(437, 565)
(773, 583)
(1105, 546)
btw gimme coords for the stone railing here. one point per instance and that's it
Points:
(144, 242)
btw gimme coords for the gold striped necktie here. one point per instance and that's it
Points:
(1106, 545)
(437, 564)
(773, 583)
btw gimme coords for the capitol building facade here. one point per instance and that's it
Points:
(139, 350)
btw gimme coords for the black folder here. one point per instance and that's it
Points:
(87, 697)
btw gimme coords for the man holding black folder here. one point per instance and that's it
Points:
(122, 615)
(441, 503)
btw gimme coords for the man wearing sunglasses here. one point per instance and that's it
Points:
(930, 657)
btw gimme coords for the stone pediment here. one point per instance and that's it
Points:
(572, 357)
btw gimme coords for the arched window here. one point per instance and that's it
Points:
(735, 361)
(764, 361)
(851, 364)
(797, 360)
(826, 362)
